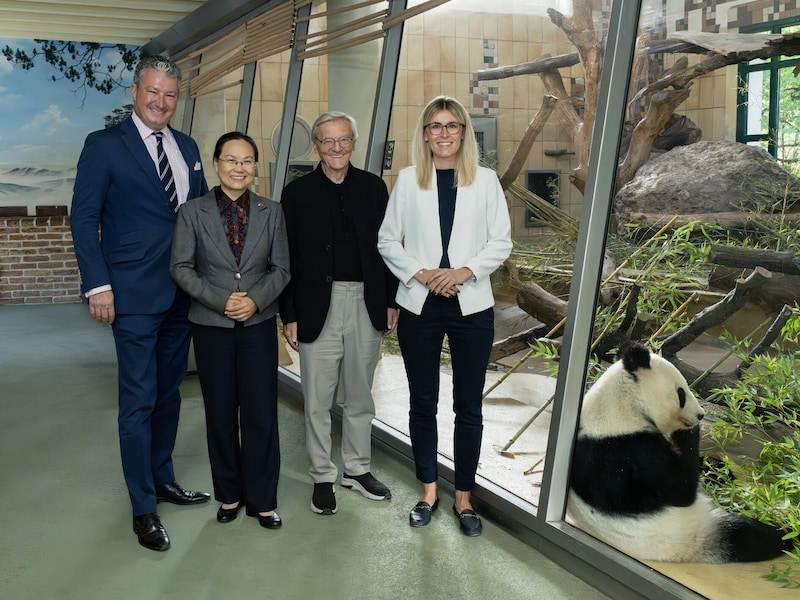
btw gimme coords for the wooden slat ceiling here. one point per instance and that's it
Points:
(133, 22)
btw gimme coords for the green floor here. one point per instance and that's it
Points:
(66, 524)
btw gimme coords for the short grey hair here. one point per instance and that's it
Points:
(334, 115)
(159, 63)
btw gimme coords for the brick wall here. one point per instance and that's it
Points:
(37, 261)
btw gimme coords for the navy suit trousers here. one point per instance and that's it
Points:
(152, 357)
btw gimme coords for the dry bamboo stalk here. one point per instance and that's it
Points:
(675, 314)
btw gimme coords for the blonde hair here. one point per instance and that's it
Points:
(422, 157)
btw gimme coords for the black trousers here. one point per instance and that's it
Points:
(238, 370)
(470, 338)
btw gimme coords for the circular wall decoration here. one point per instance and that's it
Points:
(301, 140)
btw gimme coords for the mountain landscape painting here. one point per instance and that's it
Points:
(44, 120)
(31, 186)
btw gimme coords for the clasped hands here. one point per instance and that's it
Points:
(442, 281)
(239, 307)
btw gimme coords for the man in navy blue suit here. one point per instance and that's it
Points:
(123, 216)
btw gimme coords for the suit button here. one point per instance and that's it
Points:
(327, 248)
(237, 276)
(329, 279)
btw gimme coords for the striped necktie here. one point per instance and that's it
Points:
(165, 172)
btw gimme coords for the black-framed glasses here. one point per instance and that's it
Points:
(344, 142)
(437, 128)
(247, 163)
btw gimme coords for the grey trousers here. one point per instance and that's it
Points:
(339, 366)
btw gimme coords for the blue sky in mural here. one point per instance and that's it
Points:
(43, 123)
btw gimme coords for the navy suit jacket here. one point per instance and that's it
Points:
(118, 191)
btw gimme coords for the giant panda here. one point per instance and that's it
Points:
(634, 480)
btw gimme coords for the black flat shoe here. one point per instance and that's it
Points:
(469, 521)
(151, 532)
(226, 515)
(420, 515)
(272, 521)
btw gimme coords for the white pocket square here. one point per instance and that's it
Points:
(197, 166)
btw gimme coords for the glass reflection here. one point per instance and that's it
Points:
(689, 199)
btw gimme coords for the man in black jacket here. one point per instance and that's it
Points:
(338, 305)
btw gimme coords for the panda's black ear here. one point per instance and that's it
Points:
(634, 356)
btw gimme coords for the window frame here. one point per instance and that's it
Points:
(773, 65)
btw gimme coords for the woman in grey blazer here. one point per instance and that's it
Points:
(231, 255)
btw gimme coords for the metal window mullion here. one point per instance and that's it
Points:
(384, 93)
(290, 101)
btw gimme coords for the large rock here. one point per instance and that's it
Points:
(706, 177)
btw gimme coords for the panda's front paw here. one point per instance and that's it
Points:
(687, 440)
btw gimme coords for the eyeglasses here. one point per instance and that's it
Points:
(247, 163)
(344, 142)
(437, 128)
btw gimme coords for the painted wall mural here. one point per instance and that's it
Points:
(43, 124)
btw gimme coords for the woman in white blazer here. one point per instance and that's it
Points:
(445, 231)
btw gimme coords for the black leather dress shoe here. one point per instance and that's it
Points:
(172, 492)
(151, 532)
(226, 515)
(469, 521)
(272, 521)
(420, 515)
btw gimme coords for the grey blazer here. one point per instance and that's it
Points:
(202, 263)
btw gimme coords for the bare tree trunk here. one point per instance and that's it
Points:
(579, 29)
(524, 149)
(646, 132)
(541, 304)
(728, 220)
(716, 314)
(734, 256)
(773, 294)
(517, 342)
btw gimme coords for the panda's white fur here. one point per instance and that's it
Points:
(634, 481)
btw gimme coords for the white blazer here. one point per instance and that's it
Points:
(410, 237)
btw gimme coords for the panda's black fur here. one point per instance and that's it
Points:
(635, 476)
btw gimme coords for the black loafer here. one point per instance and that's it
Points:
(469, 521)
(420, 515)
(172, 492)
(272, 521)
(226, 515)
(151, 532)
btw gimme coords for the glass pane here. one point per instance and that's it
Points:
(216, 102)
(265, 114)
(758, 103)
(443, 51)
(684, 201)
(788, 135)
(343, 80)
